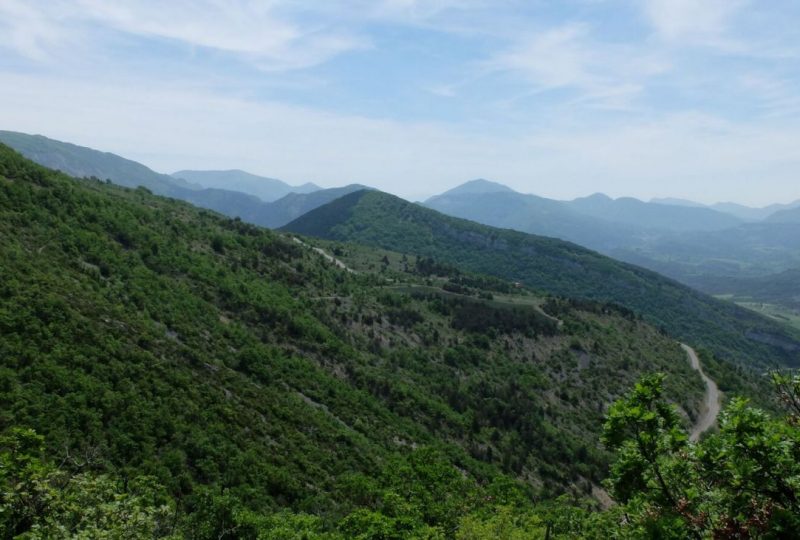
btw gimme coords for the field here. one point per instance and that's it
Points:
(776, 312)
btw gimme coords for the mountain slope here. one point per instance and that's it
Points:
(791, 215)
(748, 213)
(266, 189)
(751, 249)
(381, 220)
(84, 162)
(294, 205)
(150, 337)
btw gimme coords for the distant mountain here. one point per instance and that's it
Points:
(745, 213)
(537, 215)
(476, 187)
(266, 189)
(659, 216)
(748, 213)
(785, 216)
(381, 220)
(85, 162)
(294, 205)
(671, 201)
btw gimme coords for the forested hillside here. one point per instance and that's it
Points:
(243, 372)
(558, 267)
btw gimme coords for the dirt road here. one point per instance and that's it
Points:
(326, 256)
(711, 406)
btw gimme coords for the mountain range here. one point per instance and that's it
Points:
(266, 189)
(688, 242)
(746, 213)
(196, 189)
(684, 240)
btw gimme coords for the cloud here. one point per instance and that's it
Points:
(536, 97)
(568, 57)
(30, 30)
(774, 96)
(253, 31)
(704, 22)
(695, 155)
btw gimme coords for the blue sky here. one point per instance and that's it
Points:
(650, 98)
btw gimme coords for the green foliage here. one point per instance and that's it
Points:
(200, 376)
(742, 482)
(504, 524)
(40, 501)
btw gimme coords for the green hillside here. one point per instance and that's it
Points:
(142, 336)
(554, 266)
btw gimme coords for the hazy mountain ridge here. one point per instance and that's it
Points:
(266, 189)
(81, 162)
(86, 162)
(790, 215)
(537, 215)
(662, 217)
(685, 240)
(694, 257)
(743, 212)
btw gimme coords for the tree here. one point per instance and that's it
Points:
(39, 501)
(742, 482)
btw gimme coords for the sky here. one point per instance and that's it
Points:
(698, 99)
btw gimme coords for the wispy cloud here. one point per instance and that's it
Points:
(257, 32)
(174, 128)
(705, 20)
(569, 57)
(774, 96)
(32, 29)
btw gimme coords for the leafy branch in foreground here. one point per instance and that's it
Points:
(742, 482)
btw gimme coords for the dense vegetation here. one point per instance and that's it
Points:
(558, 267)
(743, 482)
(190, 373)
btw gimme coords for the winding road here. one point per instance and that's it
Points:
(711, 405)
